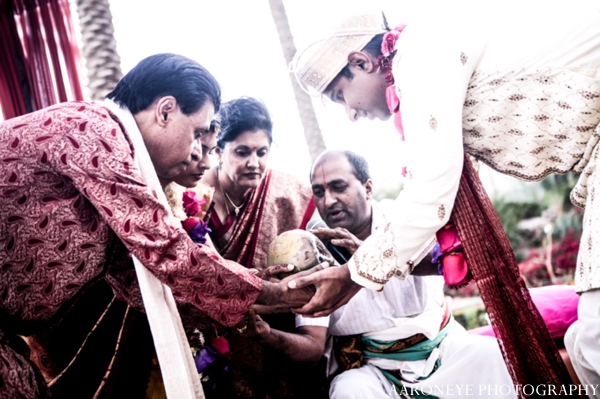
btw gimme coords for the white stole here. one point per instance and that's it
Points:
(178, 370)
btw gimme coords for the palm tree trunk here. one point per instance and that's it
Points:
(99, 47)
(312, 132)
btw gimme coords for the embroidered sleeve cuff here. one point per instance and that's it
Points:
(356, 276)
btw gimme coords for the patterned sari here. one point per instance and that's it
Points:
(280, 203)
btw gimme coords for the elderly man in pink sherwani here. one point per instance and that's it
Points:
(71, 195)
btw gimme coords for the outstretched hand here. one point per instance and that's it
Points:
(277, 297)
(334, 289)
(339, 237)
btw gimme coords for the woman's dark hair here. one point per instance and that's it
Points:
(242, 115)
(167, 75)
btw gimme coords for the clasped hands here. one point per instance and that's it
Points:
(313, 293)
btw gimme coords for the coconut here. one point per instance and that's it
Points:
(299, 248)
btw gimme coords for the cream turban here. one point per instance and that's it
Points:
(319, 63)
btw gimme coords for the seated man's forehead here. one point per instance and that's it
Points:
(334, 166)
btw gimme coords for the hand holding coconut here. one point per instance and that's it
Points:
(300, 252)
(271, 273)
(279, 298)
(334, 289)
(299, 248)
(339, 237)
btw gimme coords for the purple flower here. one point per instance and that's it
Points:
(436, 253)
(204, 358)
(198, 233)
(436, 257)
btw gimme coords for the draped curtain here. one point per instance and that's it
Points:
(39, 58)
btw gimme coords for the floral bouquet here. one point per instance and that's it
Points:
(448, 254)
(213, 361)
(195, 227)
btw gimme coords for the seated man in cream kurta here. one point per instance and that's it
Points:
(410, 314)
(511, 90)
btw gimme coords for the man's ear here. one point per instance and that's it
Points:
(369, 188)
(165, 107)
(361, 61)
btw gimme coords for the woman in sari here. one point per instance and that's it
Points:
(252, 205)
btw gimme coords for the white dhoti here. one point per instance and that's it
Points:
(582, 342)
(586, 193)
(471, 366)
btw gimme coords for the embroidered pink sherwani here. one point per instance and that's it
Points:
(68, 186)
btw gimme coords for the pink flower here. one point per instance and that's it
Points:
(388, 43)
(448, 239)
(189, 224)
(191, 203)
(221, 345)
(456, 270)
(196, 229)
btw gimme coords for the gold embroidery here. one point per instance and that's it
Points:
(545, 80)
(563, 105)
(441, 212)
(373, 278)
(387, 253)
(588, 95)
(473, 132)
(517, 97)
(522, 176)
(470, 102)
(516, 164)
(411, 266)
(583, 129)
(540, 118)
(433, 123)
(537, 150)
(496, 82)
(555, 159)
(494, 118)
(516, 132)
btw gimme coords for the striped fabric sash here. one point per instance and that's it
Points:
(394, 350)
(385, 349)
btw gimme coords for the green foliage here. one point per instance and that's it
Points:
(556, 191)
(511, 213)
(388, 193)
(471, 317)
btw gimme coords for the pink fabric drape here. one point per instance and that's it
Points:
(39, 57)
